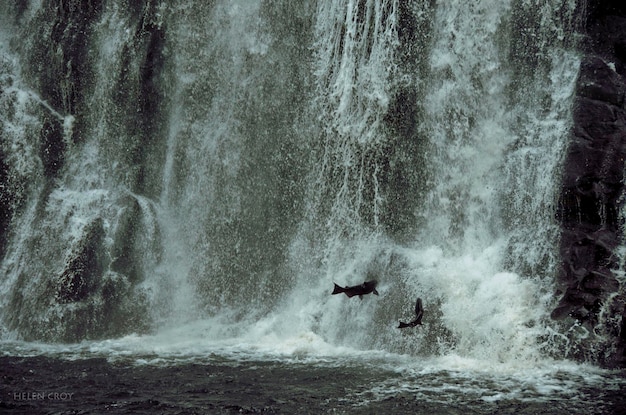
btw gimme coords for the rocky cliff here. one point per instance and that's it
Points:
(591, 200)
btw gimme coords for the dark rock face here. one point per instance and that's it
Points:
(52, 146)
(593, 191)
(6, 203)
(59, 64)
(85, 265)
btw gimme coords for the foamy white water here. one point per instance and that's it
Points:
(472, 383)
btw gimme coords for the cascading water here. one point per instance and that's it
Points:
(208, 170)
(185, 179)
(496, 137)
(483, 249)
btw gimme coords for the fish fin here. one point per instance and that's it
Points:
(375, 292)
(403, 325)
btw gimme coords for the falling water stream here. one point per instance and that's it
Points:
(184, 181)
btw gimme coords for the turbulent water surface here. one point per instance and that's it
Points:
(184, 181)
(302, 375)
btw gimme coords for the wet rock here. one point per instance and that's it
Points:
(123, 252)
(65, 52)
(593, 179)
(7, 203)
(599, 81)
(85, 265)
(52, 146)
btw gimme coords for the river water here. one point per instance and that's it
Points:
(303, 375)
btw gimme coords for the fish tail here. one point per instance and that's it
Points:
(338, 289)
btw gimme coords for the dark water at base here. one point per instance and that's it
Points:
(50, 385)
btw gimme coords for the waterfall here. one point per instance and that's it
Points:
(483, 251)
(228, 161)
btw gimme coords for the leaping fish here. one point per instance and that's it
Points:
(419, 313)
(366, 288)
